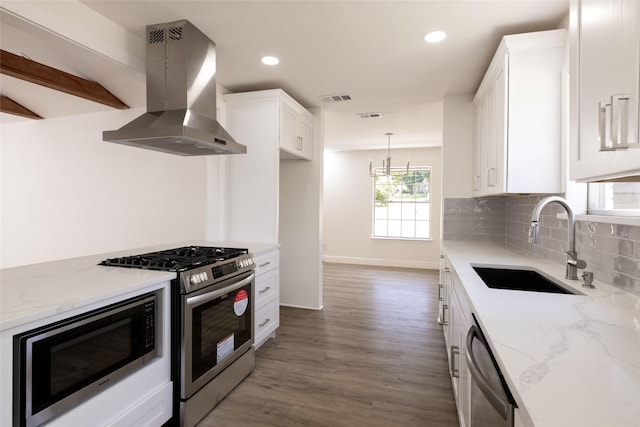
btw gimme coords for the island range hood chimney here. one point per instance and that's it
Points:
(181, 96)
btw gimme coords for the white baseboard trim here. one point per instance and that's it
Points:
(302, 306)
(427, 265)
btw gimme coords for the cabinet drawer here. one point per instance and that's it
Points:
(267, 321)
(266, 288)
(266, 262)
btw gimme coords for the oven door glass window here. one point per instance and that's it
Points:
(70, 362)
(220, 327)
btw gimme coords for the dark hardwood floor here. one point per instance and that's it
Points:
(375, 356)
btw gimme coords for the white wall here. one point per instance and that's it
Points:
(457, 147)
(66, 193)
(348, 199)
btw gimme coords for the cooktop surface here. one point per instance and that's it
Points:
(178, 259)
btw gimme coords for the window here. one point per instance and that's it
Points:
(614, 198)
(401, 205)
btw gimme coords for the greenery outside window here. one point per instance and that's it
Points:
(614, 198)
(402, 203)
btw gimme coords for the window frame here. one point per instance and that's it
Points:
(415, 221)
(596, 190)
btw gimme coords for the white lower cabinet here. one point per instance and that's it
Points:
(461, 315)
(444, 290)
(267, 297)
(457, 322)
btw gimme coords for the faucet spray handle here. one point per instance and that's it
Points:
(534, 232)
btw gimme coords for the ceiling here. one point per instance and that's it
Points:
(371, 50)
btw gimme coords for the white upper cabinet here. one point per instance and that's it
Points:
(605, 71)
(297, 133)
(294, 123)
(517, 117)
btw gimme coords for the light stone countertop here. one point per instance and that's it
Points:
(569, 360)
(37, 291)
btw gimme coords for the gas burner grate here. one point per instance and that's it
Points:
(178, 259)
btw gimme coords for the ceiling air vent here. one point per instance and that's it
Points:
(370, 115)
(335, 98)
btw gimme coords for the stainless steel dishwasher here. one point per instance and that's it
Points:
(491, 402)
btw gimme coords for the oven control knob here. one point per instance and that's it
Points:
(202, 276)
(193, 279)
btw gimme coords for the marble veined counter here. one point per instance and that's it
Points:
(569, 360)
(37, 291)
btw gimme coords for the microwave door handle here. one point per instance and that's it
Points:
(210, 296)
(494, 398)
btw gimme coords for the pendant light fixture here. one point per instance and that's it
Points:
(386, 164)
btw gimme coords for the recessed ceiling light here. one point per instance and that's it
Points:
(435, 36)
(269, 60)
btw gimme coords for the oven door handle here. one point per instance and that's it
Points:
(209, 296)
(494, 398)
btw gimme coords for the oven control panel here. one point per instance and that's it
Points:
(209, 274)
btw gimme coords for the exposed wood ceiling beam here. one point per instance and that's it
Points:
(35, 72)
(8, 105)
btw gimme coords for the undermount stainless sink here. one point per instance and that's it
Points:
(520, 280)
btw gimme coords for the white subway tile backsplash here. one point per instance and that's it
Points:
(612, 251)
(474, 219)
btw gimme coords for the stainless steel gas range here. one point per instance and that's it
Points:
(212, 331)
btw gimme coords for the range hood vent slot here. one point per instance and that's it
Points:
(156, 36)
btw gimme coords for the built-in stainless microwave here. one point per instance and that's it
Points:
(60, 365)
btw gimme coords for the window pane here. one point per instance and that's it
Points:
(381, 212)
(395, 228)
(422, 229)
(395, 210)
(422, 211)
(408, 229)
(408, 211)
(380, 228)
(614, 198)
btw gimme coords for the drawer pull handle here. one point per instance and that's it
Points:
(264, 323)
(440, 297)
(619, 119)
(265, 264)
(491, 177)
(604, 113)
(455, 351)
(442, 321)
(263, 290)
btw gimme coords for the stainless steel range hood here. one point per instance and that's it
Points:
(181, 96)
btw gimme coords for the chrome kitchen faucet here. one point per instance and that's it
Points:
(573, 263)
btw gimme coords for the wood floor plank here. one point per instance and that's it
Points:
(374, 356)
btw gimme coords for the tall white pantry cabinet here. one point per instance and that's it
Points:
(272, 125)
(263, 203)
